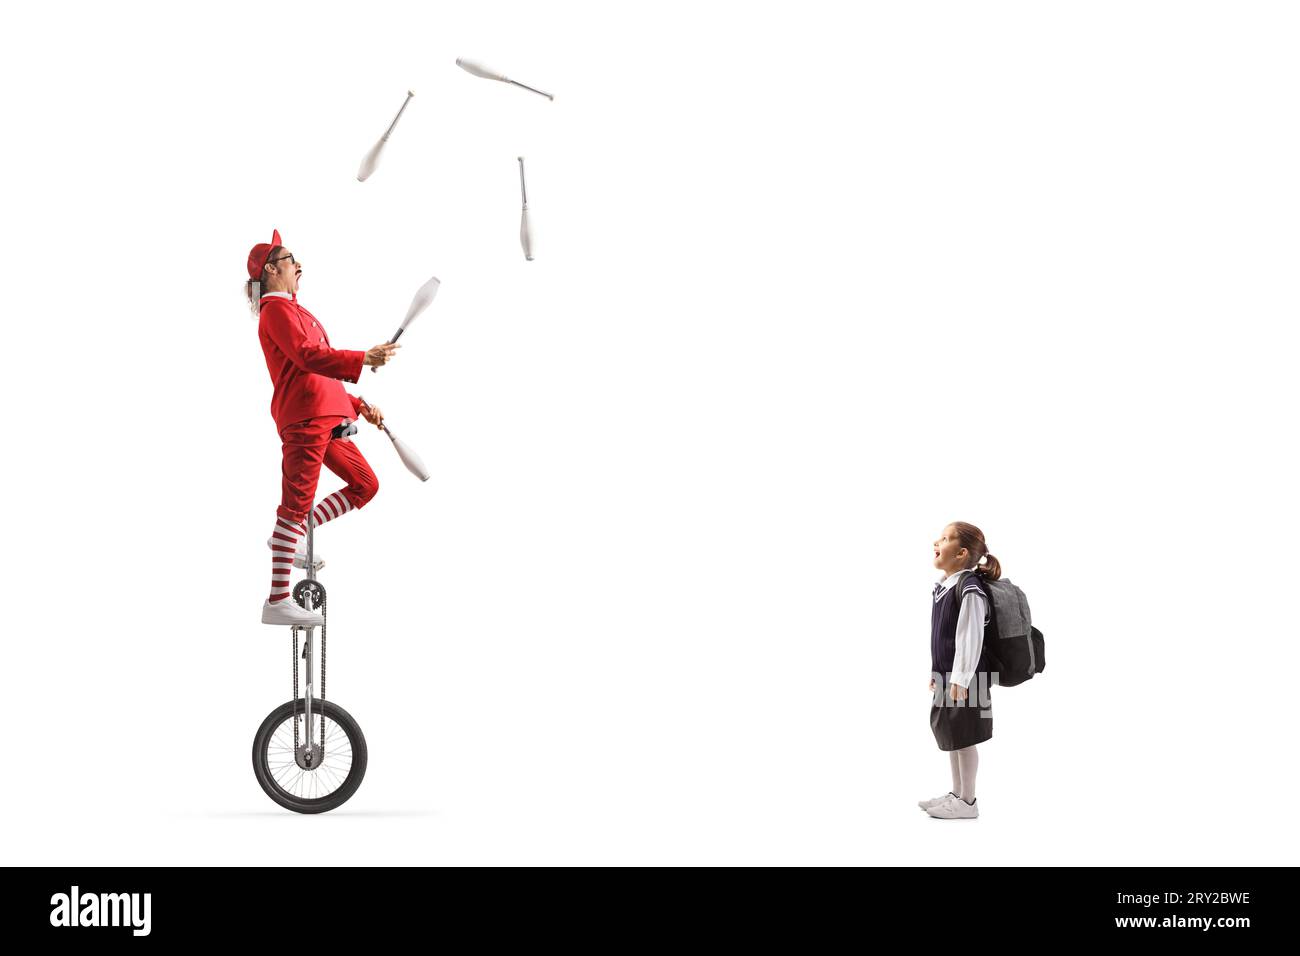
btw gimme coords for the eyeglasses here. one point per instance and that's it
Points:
(288, 256)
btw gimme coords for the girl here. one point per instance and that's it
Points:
(961, 712)
(312, 413)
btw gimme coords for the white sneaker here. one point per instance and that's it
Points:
(287, 611)
(300, 556)
(927, 804)
(955, 808)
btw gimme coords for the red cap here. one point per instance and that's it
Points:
(260, 253)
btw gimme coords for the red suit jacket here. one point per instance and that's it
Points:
(304, 369)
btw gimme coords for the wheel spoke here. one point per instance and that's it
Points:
(338, 780)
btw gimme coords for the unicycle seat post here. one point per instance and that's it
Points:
(311, 535)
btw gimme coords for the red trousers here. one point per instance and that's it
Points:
(307, 445)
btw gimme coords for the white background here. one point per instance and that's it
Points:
(812, 280)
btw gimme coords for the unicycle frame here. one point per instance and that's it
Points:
(308, 646)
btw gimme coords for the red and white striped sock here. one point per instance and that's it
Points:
(336, 505)
(285, 539)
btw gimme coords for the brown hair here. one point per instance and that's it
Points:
(972, 539)
(248, 285)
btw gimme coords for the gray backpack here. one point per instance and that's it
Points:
(1015, 646)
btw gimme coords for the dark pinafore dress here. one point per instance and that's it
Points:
(960, 723)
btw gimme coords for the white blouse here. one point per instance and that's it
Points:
(972, 617)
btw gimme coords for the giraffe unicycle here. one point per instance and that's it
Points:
(309, 755)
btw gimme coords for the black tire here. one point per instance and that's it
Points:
(272, 759)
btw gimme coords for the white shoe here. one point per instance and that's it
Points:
(287, 611)
(299, 556)
(955, 808)
(927, 804)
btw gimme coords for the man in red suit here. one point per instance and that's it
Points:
(311, 412)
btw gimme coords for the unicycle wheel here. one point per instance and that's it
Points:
(309, 778)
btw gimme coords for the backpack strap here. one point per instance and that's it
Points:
(987, 599)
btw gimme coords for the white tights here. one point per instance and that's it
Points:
(965, 764)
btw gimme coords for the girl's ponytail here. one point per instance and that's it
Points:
(991, 568)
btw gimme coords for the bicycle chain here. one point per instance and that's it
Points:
(294, 698)
(323, 624)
